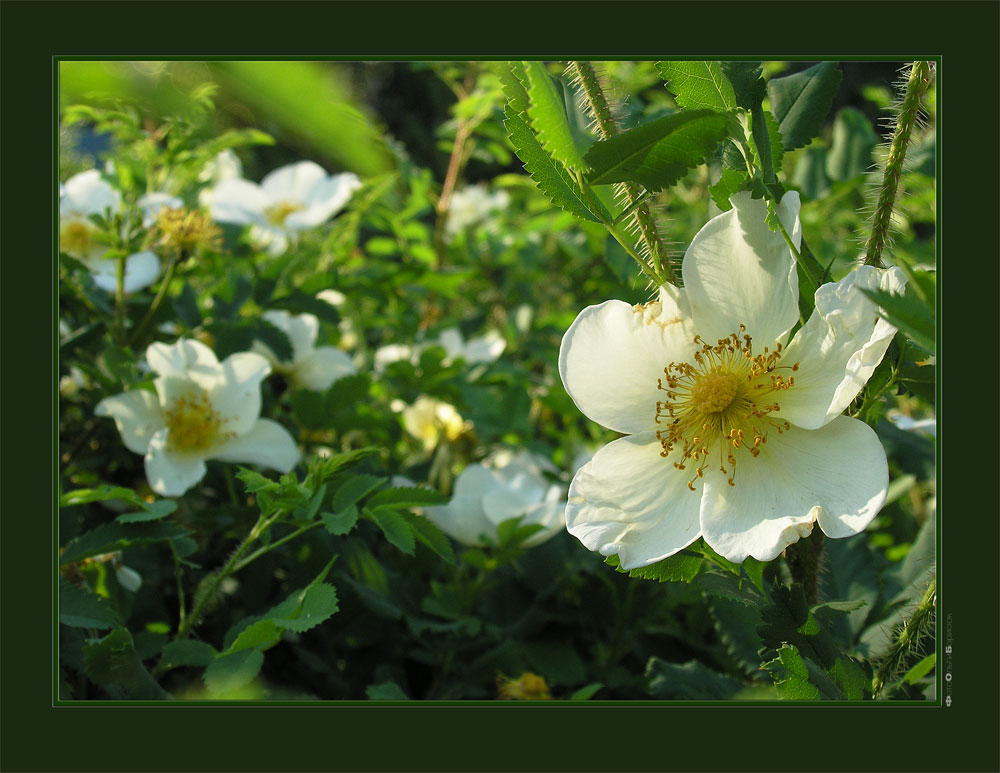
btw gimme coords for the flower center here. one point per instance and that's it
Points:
(193, 424)
(74, 237)
(278, 213)
(722, 398)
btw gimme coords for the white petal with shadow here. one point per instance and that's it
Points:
(137, 415)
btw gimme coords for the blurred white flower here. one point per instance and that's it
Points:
(430, 421)
(333, 297)
(506, 485)
(152, 203)
(225, 166)
(202, 409)
(86, 194)
(127, 577)
(923, 426)
(471, 205)
(482, 349)
(311, 367)
(288, 201)
(71, 384)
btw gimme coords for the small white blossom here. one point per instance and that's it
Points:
(471, 205)
(86, 194)
(311, 367)
(482, 349)
(202, 409)
(506, 485)
(289, 200)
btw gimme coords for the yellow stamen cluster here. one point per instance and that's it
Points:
(277, 214)
(186, 230)
(527, 687)
(193, 424)
(723, 397)
(75, 237)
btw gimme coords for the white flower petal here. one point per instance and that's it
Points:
(170, 474)
(333, 297)
(551, 515)
(452, 342)
(236, 396)
(152, 203)
(238, 201)
(137, 415)
(326, 197)
(836, 475)
(390, 353)
(185, 358)
(839, 347)
(87, 194)
(486, 348)
(321, 367)
(141, 270)
(630, 501)
(266, 443)
(128, 578)
(292, 182)
(737, 271)
(612, 357)
(464, 518)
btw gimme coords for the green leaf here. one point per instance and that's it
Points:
(699, 85)
(622, 264)
(431, 536)
(787, 619)
(512, 78)
(274, 338)
(729, 183)
(851, 680)
(81, 608)
(727, 586)
(801, 101)
(230, 672)
(799, 679)
(851, 145)
(305, 609)
(913, 317)
(188, 652)
(586, 692)
(113, 664)
(748, 86)
(102, 494)
(355, 489)
(921, 669)
(404, 497)
(161, 508)
(736, 624)
(261, 635)
(775, 141)
(681, 567)
(254, 481)
(691, 681)
(552, 179)
(340, 523)
(548, 117)
(109, 537)
(395, 528)
(386, 691)
(810, 172)
(658, 153)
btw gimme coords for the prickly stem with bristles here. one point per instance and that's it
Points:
(651, 244)
(909, 638)
(921, 74)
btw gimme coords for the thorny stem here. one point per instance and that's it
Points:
(907, 637)
(916, 86)
(642, 218)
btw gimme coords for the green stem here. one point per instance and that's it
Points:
(161, 293)
(908, 636)
(120, 301)
(268, 548)
(178, 572)
(916, 86)
(642, 218)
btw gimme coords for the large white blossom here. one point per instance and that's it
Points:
(202, 409)
(732, 433)
(311, 367)
(289, 200)
(506, 485)
(87, 194)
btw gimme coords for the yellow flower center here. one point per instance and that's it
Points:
(722, 398)
(277, 214)
(193, 424)
(74, 237)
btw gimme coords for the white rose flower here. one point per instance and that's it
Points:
(312, 367)
(482, 349)
(731, 435)
(506, 485)
(289, 200)
(87, 194)
(202, 409)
